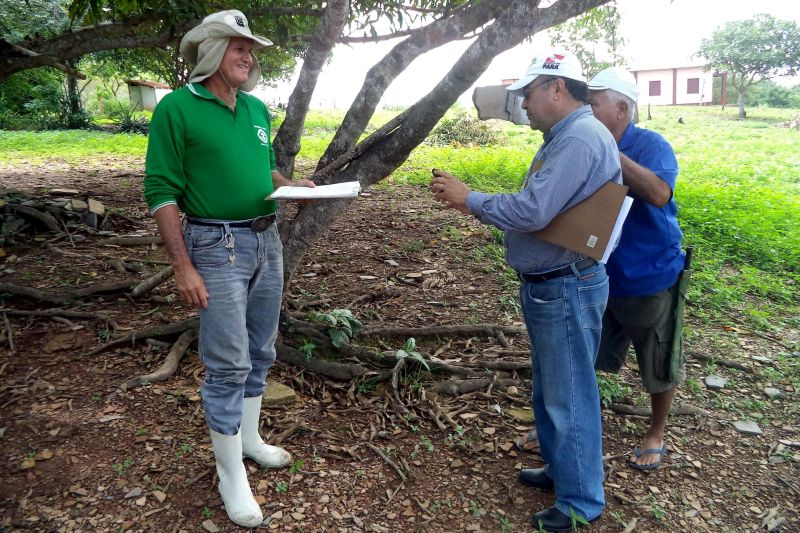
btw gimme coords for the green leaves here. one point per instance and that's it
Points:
(343, 325)
(593, 37)
(409, 350)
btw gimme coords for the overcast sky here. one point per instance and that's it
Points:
(659, 33)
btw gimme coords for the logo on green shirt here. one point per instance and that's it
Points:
(262, 134)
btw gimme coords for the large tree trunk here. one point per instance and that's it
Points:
(385, 150)
(742, 100)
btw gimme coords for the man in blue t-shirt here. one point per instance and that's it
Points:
(643, 270)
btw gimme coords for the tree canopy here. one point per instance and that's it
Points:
(753, 50)
(593, 37)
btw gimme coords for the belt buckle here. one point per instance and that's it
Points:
(260, 224)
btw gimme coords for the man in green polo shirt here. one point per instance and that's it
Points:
(210, 156)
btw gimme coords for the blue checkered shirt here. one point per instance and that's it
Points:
(578, 156)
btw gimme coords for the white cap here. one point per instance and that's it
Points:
(554, 62)
(617, 79)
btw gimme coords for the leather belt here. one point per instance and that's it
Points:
(583, 264)
(257, 224)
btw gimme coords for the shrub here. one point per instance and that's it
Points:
(29, 98)
(464, 130)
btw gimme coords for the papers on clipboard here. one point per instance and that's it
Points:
(349, 189)
(617, 231)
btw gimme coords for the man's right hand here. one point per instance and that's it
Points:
(191, 287)
(189, 283)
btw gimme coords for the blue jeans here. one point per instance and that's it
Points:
(243, 273)
(564, 318)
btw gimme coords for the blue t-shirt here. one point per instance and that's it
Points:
(648, 258)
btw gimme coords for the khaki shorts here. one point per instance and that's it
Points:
(647, 322)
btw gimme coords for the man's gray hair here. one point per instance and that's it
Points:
(619, 97)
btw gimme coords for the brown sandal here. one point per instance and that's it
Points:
(528, 443)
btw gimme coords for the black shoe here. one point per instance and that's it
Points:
(551, 519)
(535, 477)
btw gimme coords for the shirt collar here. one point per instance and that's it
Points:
(628, 137)
(198, 89)
(566, 121)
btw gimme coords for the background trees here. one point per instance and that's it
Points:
(753, 50)
(426, 24)
(594, 38)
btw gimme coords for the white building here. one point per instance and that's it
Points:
(675, 85)
(146, 94)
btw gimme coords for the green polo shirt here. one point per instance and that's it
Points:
(208, 160)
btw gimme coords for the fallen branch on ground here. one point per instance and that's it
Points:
(44, 217)
(386, 460)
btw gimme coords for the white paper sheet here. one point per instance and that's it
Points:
(615, 233)
(348, 189)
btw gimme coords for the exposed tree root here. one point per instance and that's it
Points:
(331, 369)
(142, 334)
(152, 282)
(721, 362)
(457, 387)
(132, 241)
(170, 364)
(489, 330)
(677, 410)
(58, 312)
(9, 333)
(375, 295)
(501, 365)
(36, 294)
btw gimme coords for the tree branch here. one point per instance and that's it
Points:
(383, 73)
(287, 140)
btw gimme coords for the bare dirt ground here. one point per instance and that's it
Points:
(79, 454)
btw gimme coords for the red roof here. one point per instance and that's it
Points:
(153, 84)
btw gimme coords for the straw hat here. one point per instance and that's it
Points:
(224, 24)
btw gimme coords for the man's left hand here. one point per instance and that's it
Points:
(450, 191)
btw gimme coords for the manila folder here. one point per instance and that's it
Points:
(586, 227)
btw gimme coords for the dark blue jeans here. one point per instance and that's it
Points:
(564, 318)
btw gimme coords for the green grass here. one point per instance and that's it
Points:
(70, 146)
(738, 192)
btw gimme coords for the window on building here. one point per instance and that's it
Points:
(693, 86)
(655, 88)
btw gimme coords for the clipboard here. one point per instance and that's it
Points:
(587, 227)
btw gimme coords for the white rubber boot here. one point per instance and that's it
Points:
(253, 447)
(240, 505)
